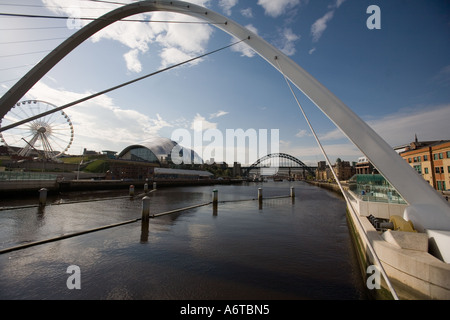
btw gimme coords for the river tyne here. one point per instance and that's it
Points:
(279, 250)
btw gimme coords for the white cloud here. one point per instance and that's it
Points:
(200, 123)
(311, 51)
(172, 56)
(218, 114)
(177, 40)
(320, 25)
(248, 13)
(302, 133)
(288, 42)
(99, 124)
(132, 61)
(276, 8)
(227, 5)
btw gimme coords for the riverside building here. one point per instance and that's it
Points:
(431, 159)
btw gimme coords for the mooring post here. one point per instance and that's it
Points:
(260, 198)
(131, 192)
(145, 187)
(215, 200)
(145, 208)
(154, 185)
(145, 219)
(292, 192)
(215, 196)
(42, 197)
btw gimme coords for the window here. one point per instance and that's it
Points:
(418, 168)
(441, 185)
(436, 169)
(435, 156)
(441, 156)
(419, 158)
(409, 160)
(425, 158)
(426, 170)
(415, 159)
(448, 154)
(448, 169)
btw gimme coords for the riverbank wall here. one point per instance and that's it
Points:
(412, 270)
(20, 188)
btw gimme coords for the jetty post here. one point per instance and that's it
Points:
(145, 218)
(42, 197)
(131, 191)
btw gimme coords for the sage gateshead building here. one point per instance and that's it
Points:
(146, 160)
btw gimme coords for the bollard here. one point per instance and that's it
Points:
(131, 191)
(145, 187)
(145, 208)
(215, 202)
(42, 197)
(154, 185)
(292, 192)
(215, 197)
(260, 194)
(145, 219)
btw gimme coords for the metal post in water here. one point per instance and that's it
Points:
(215, 202)
(292, 192)
(145, 208)
(131, 192)
(42, 197)
(215, 196)
(145, 219)
(260, 198)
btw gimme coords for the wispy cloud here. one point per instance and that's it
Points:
(132, 61)
(226, 5)
(277, 8)
(248, 13)
(99, 123)
(200, 123)
(321, 24)
(218, 114)
(176, 41)
(302, 133)
(287, 42)
(443, 76)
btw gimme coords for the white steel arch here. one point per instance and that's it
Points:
(427, 209)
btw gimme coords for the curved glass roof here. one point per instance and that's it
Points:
(159, 147)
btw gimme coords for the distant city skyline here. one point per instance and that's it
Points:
(396, 78)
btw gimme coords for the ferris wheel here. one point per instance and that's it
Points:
(49, 136)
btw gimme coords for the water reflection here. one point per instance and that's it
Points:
(273, 249)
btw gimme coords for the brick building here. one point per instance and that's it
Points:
(431, 159)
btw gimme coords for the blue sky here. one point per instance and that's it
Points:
(396, 78)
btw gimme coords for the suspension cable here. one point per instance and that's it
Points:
(116, 87)
(20, 15)
(349, 204)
